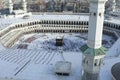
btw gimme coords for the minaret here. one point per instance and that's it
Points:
(93, 52)
(24, 5)
(10, 6)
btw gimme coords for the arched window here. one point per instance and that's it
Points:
(66, 22)
(21, 25)
(119, 27)
(87, 23)
(72, 23)
(52, 22)
(81, 23)
(62, 22)
(47, 22)
(84, 23)
(59, 22)
(35, 23)
(77, 23)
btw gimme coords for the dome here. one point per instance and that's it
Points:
(116, 71)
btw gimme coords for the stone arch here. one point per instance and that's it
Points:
(35, 22)
(87, 23)
(77, 22)
(54, 22)
(82, 23)
(119, 27)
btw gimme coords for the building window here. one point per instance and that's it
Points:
(97, 62)
(100, 14)
(94, 14)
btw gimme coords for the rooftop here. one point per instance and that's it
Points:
(95, 52)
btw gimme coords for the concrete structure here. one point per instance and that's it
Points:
(114, 9)
(113, 5)
(10, 13)
(10, 6)
(93, 52)
(24, 5)
(63, 68)
(96, 23)
(118, 3)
